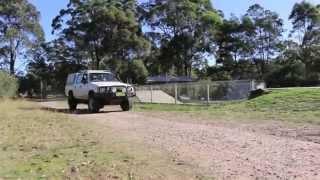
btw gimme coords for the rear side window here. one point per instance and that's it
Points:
(101, 77)
(71, 79)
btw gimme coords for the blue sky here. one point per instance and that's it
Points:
(49, 9)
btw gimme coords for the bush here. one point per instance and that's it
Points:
(139, 72)
(135, 71)
(8, 85)
(288, 75)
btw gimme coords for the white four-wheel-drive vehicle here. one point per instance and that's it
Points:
(97, 89)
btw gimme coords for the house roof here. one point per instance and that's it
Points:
(168, 79)
(95, 71)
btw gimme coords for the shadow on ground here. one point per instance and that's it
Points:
(78, 111)
(53, 99)
(67, 111)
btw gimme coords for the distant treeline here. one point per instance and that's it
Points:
(177, 37)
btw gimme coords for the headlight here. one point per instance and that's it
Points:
(130, 91)
(124, 90)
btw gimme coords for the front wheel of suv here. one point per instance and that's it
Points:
(126, 105)
(93, 105)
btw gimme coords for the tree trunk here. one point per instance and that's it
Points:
(97, 60)
(97, 64)
(186, 71)
(13, 55)
(12, 62)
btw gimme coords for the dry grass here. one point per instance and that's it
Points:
(39, 144)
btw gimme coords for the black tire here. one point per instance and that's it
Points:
(72, 102)
(126, 105)
(93, 105)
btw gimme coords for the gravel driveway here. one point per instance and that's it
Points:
(220, 149)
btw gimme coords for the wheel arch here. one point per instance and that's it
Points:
(91, 93)
(70, 93)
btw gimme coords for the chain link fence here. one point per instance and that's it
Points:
(177, 93)
(41, 90)
(197, 92)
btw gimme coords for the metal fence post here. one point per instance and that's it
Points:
(175, 94)
(41, 89)
(253, 85)
(208, 94)
(151, 94)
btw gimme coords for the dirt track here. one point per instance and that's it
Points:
(219, 149)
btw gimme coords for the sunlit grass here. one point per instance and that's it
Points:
(291, 105)
(40, 144)
(35, 143)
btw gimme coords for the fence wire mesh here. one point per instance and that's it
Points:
(197, 92)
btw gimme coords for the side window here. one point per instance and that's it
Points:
(85, 77)
(79, 78)
(70, 80)
(73, 79)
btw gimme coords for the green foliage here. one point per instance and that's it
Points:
(29, 84)
(251, 47)
(305, 18)
(300, 105)
(169, 36)
(60, 60)
(102, 31)
(153, 63)
(20, 31)
(50, 63)
(138, 71)
(134, 72)
(287, 75)
(38, 66)
(266, 39)
(183, 30)
(219, 74)
(254, 39)
(8, 84)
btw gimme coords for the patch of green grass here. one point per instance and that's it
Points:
(37, 144)
(288, 100)
(293, 105)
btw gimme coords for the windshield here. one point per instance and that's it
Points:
(100, 77)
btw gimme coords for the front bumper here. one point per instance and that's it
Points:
(110, 98)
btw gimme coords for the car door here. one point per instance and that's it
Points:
(77, 86)
(83, 86)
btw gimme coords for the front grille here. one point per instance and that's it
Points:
(108, 90)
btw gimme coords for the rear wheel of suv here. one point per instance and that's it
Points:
(126, 105)
(72, 102)
(93, 105)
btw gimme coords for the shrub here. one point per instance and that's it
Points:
(139, 72)
(8, 85)
(135, 71)
(291, 74)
